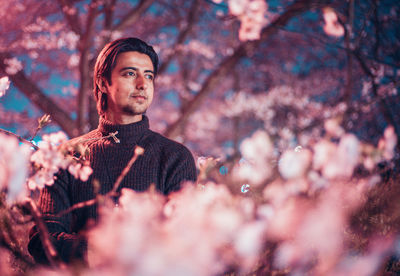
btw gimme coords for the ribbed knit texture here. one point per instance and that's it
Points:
(165, 163)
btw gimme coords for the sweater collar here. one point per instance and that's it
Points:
(130, 133)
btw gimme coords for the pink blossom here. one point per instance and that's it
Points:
(14, 161)
(333, 128)
(332, 26)
(323, 151)
(49, 159)
(388, 143)
(79, 171)
(258, 150)
(4, 85)
(337, 161)
(218, 231)
(13, 66)
(237, 7)
(252, 16)
(294, 164)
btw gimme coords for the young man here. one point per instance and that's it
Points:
(123, 88)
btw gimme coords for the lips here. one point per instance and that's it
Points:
(139, 97)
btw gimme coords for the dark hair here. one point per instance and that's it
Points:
(107, 59)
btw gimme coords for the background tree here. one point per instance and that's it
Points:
(204, 64)
(247, 81)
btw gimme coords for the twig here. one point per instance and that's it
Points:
(78, 206)
(138, 151)
(19, 138)
(48, 247)
(15, 251)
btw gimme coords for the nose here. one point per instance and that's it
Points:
(141, 82)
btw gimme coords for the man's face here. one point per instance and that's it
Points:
(132, 87)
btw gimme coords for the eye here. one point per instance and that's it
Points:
(130, 74)
(150, 77)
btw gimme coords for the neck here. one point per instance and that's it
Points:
(122, 119)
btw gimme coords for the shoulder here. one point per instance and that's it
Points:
(166, 145)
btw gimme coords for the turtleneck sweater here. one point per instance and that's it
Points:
(164, 163)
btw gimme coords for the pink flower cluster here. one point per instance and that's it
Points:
(197, 232)
(332, 26)
(251, 14)
(257, 152)
(4, 85)
(49, 159)
(14, 164)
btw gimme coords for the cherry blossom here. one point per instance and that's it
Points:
(252, 14)
(332, 26)
(213, 220)
(13, 66)
(337, 161)
(388, 143)
(50, 158)
(294, 164)
(258, 151)
(14, 161)
(4, 85)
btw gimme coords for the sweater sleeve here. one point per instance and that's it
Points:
(180, 169)
(54, 199)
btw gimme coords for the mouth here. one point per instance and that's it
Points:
(139, 97)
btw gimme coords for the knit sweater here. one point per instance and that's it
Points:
(165, 163)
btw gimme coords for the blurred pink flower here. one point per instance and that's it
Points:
(333, 128)
(251, 14)
(388, 143)
(49, 159)
(13, 66)
(294, 164)
(257, 151)
(337, 161)
(332, 26)
(4, 85)
(197, 232)
(14, 162)
(79, 171)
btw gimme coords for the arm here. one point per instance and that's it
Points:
(179, 169)
(53, 199)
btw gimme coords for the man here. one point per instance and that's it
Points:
(123, 88)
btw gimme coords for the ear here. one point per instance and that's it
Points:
(101, 83)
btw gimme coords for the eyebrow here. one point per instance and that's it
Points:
(135, 69)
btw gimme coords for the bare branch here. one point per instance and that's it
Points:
(133, 15)
(19, 138)
(15, 251)
(78, 206)
(48, 247)
(138, 151)
(84, 66)
(191, 20)
(41, 100)
(382, 103)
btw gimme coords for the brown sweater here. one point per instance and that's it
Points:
(165, 163)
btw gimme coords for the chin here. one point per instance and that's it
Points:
(133, 111)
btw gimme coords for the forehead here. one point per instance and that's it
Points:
(134, 59)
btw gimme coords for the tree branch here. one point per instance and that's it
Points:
(133, 15)
(84, 64)
(191, 20)
(41, 100)
(48, 247)
(72, 18)
(231, 61)
(19, 138)
(382, 103)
